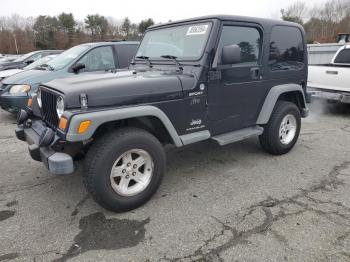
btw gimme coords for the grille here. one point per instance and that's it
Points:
(48, 101)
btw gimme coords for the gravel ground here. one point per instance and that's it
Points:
(232, 203)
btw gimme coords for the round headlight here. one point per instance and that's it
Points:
(60, 106)
(38, 97)
(19, 89)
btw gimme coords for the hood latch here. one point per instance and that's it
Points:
(83, 101)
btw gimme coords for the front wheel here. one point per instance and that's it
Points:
(282, 131)
(124, 168)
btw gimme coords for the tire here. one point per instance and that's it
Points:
(271, 140)
(124, 144)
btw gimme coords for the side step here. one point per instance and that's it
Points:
(238, 135)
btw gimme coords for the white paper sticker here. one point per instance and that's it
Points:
(197, 30)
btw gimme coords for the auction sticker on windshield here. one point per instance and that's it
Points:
(197, 30)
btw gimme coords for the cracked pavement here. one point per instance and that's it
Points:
(232, 203)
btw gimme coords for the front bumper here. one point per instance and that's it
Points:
(13, 103)
(337, 96)
(56, 162)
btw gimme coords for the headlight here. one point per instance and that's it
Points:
(38, 97)
(15, 89)
(60, 106)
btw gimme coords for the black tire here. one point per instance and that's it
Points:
(270, 139)
(103, 154)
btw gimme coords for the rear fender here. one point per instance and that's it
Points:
(275, 94)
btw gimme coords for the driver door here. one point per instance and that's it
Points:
(235, 90)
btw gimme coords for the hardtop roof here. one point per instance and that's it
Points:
(262, 21)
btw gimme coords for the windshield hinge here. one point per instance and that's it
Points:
(214, 75)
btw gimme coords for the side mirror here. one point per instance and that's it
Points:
(77, 67)
(28, 62)
(231, 54)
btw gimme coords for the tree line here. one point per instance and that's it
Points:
(322, 22)
(20, 34)
(24, 34)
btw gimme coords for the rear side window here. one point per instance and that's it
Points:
(247, 38)
(125, 54)
(343, 57)
(286, 49)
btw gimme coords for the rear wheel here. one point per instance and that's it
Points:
(124, 168)
(282, 131)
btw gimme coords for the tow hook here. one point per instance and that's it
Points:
(22, 117)
(47, 137)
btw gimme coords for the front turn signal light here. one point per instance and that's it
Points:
(84, 126)
(63, 123)
(30, 102)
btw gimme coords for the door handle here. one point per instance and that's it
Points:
(255, 73)
(332, 72)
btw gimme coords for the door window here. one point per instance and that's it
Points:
(98, 59)
(247, 38)
(35, 57)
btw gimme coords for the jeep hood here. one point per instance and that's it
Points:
(122, 88)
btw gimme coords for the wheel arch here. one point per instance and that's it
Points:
(149, 118)
(149, 123)
(289, 92)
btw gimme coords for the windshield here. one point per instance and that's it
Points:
(67, 57)
(39, 62)
(186, 42)
(24, 57)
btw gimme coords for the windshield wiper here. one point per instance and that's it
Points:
(146, 58)
(173, 58)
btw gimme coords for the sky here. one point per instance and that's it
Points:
(159, 10)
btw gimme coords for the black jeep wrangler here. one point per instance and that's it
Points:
(224, 78)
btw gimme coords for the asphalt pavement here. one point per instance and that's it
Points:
(232, 203)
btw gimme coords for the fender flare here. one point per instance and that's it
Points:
(272, 97)
(100, 117)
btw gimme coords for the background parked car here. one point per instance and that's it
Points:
(34, 65)
(27, 59)
(331, 81)
(8, 58)
(322, 53)
(90, 57)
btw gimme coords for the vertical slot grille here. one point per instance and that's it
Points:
(49, 101)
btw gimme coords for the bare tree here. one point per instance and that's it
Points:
(295, 13)
(322, 22)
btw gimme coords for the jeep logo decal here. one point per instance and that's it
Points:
(196, 122)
